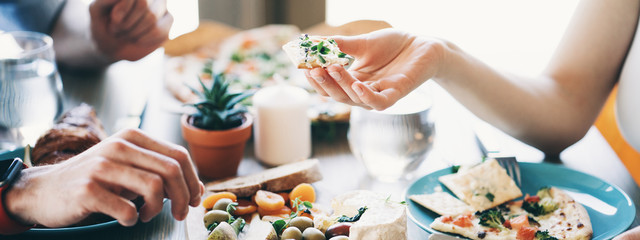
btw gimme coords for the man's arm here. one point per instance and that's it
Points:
(109, 30)
(73, 43)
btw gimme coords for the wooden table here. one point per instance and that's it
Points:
(125, 86)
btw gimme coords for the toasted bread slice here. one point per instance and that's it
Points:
(276, 179)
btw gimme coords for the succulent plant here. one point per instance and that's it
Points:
(218, 109)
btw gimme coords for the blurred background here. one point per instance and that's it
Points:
(518, 36)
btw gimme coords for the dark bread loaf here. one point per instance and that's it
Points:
(76, 130)
(277, 179)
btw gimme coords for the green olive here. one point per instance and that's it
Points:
(222, 204)
(215, 216)
(301, 223)
(312, 234)
(339, 238)
(291, 233)
(224, 231)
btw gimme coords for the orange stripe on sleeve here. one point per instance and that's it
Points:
(608, 127)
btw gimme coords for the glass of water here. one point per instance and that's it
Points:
(30, 88)
(392, 143)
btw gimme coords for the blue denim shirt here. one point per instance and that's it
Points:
(29, 15)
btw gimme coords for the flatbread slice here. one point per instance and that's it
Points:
(313, 51)
(566, 219)
(484, 186)
(569, 221)
(442, 203)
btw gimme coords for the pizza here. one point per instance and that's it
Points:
(484, 186)
(549, 214)
(312, 52)
(250, 59)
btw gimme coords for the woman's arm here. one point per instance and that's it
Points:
(549, 112)
(556, 109)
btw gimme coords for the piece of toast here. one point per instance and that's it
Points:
(276, 179)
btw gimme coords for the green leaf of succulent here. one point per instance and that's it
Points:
(238, 98)
(217, 109)
(206, 92)
(215, 88)
(195, 91)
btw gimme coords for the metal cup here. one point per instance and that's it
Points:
(30, 88)
(393, 143)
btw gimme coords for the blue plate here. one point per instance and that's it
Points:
(51, 231)
(610, 209)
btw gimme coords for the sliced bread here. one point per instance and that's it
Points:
(277, 179)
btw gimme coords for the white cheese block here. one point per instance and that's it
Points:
(383, 220)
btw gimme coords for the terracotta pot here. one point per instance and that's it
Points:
(216, 154)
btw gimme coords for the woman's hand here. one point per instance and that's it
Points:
(104, 179)
(129, 29)
(389, 64)
(629, 235)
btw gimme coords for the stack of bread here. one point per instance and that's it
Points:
(76, 130)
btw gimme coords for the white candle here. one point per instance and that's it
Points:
(282, 130)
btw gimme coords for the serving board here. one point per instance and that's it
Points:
(194, 225)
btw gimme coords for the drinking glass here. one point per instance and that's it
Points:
(392, 143)
(30, 88)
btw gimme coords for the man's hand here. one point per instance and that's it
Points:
(129, 29)
(389, 64)
(104, 179)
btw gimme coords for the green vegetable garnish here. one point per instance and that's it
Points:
(322, 59)
(212, 226)
(299, 205)
(544, 235)
(544, 206)
(489, 196)
(455, 168)
(279, 225)
(237, 57)
(491, 218)
(231, 208)
(324, 50)
(306, 44)
(544, 192)
(342, 55)
(344, 218)
(264, 56)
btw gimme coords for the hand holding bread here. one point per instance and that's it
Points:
(104, 179)
(389, 64)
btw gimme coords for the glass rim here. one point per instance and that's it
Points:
(46, 39)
